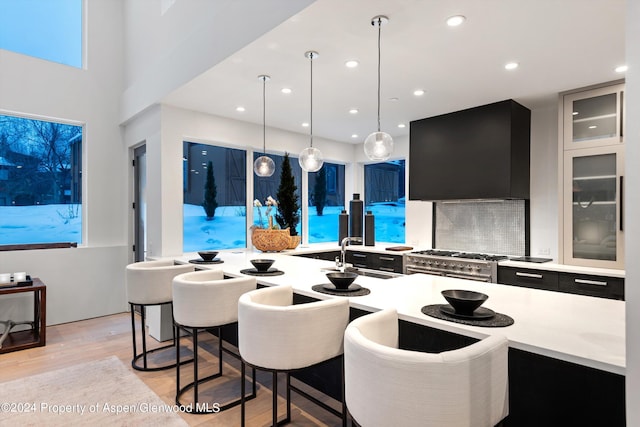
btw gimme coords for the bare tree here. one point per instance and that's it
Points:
(50, 144)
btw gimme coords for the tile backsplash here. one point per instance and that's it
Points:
(487, 226)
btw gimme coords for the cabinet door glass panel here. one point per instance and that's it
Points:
(594, 207)
(595, 118)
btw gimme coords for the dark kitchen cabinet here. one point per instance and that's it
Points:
(595, 286)
(375, 261)
(360, 259)
(528, 278)
(571, 283)
(327, 256)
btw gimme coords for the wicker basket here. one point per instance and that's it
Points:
(294, 241)
(268, 240)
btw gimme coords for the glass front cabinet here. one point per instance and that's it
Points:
(592, 174)
(593, 118)
(593, 195)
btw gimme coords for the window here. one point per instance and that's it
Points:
(40, 181)
(326, 201)
(46, 29)
(223, 224)
(264, 187)
(384, 188)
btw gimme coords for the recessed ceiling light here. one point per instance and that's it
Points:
(354, 135)
(402, 125)
(454, 21)
(418, 92)
(352, 63)
(593, 127)
(511, 65)
(575, 113)
(240, 109)
(305, 125)
(353, 111)
(621, 68)
(286, 90)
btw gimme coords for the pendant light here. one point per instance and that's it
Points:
(264, 165)
(310, 158)
(378, 145)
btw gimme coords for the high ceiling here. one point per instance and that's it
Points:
(559, 45)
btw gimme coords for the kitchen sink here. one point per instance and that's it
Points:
(365, 272)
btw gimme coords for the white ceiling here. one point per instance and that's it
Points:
(559, 44)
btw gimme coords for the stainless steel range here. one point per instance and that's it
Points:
(462, 265)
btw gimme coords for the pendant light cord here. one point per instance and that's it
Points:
(264, 116)
(311, 101)
(379, 32)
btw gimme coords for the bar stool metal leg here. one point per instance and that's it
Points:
(135, 362)
(195, 408)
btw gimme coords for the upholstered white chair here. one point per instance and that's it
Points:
(206, 300)
(386, 386)
(276, 335)
(149, 283)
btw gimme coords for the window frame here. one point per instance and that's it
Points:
(248, 213)
(83, 191)
(402, 185)
(82, 63)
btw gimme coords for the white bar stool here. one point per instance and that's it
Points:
(386, 386)
(275, 335)
(206, 300)
(148, 284)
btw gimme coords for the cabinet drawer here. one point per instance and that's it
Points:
(360, 259)
(537, 279)
(328, 256)
(595, 286)
(384, 262)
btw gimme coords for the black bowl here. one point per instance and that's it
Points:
(464, 302)
(262, 265)
(208, 255)
(342, 280)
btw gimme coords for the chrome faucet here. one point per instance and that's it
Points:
(340, 263)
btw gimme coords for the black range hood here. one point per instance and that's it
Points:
(478, 153)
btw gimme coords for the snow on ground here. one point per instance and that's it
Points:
(62, 223)
(40, 224)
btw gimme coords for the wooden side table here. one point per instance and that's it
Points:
(36, 336)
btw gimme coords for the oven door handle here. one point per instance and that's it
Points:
(477, 278)
(419, 270)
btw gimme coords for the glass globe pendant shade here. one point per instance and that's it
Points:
(264, 166)
(378, 146)
(311, 159)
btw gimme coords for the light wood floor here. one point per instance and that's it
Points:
(93, 339)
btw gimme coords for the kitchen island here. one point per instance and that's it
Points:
(567, 352)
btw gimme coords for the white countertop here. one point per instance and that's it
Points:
(584, 330)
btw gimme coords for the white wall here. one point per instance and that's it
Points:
(164, 160)
(87, 281)
(544, 182)
(166, 50)
(632, 213)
